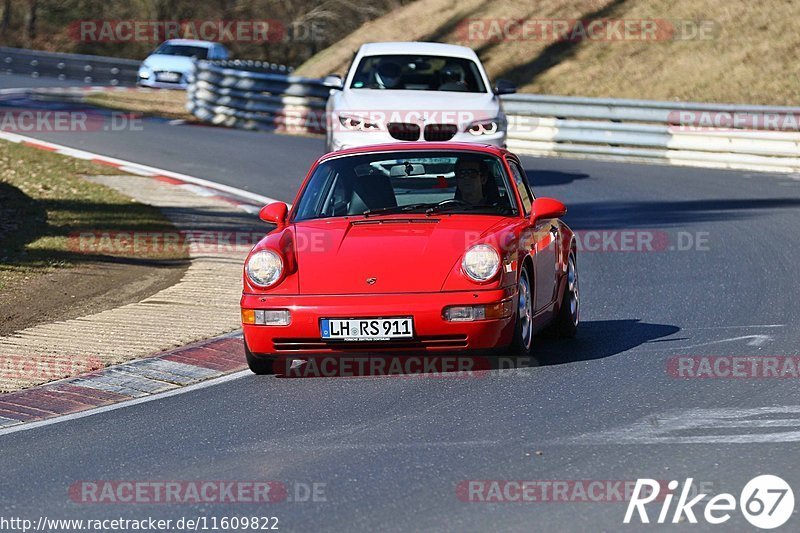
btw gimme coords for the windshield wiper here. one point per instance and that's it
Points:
(394, 209)
(457, 205)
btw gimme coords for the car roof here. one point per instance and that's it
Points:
(191, 42)
(416, 147)
(417, 48)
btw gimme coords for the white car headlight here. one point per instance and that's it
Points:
(356, 123)
(481, 262)
(486, 127)
(144, 73)
(264, 268)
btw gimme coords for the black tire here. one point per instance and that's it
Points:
(523, 333)
(566, 322)
(263, 366)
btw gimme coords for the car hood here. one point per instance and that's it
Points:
(403, 254)
(429, 106)
(171, 63)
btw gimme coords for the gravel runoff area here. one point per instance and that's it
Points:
(203, 304)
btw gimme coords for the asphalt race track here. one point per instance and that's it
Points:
(391, 452)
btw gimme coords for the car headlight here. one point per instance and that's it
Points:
(356, 123)
(481, 262)
(264, 268)
(144, 73)
(486, 127)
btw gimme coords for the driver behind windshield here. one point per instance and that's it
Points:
(387, 75)
(473, 183)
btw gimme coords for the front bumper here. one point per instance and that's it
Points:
(432, 333)
(153, 84)
(350, 139)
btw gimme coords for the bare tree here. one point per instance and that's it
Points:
(30, 21)
(5, 20)
(303, 27)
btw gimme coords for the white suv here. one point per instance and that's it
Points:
(412, 91)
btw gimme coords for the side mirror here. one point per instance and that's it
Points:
(544, 208)
(333, 81)
(274, 213)
(504, 87)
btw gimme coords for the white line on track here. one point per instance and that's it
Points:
(130, 165)
(741, 327)
(752, 340)
(143, 170)
(697, 425)
(126, 403)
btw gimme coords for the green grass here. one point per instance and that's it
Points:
(44, 199)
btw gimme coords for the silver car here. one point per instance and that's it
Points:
(170, 65)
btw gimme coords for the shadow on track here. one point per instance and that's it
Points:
(650, 214)
(552, 178)
(595, 340)
(598, 339)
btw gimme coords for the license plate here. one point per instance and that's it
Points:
(168, 76)
(367, 329)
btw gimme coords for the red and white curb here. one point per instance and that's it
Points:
(123, 384)
(245, 200)
(233, 195)
(194, 366)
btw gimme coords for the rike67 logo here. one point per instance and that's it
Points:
(766, 502)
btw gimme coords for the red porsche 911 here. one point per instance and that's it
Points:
(410, 248)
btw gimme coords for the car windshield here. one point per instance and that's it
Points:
(418, 73)
(409, 182)
(200, 52)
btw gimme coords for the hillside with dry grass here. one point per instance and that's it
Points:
(748, 52)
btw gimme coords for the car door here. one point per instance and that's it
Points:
(544, 241)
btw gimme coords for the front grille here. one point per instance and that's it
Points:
(440, 132)
(403, 131)
(165, 76)
(444, 342)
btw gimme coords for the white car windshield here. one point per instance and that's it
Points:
(200, 52)
(418, 73)
(410, 182)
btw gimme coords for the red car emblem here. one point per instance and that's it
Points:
(371, 281)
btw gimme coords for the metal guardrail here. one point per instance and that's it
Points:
(260, 95)
(696, 134)
(266, 99)
(94, 70)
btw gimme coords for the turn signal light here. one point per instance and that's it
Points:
(471, 313)
(266, 317)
